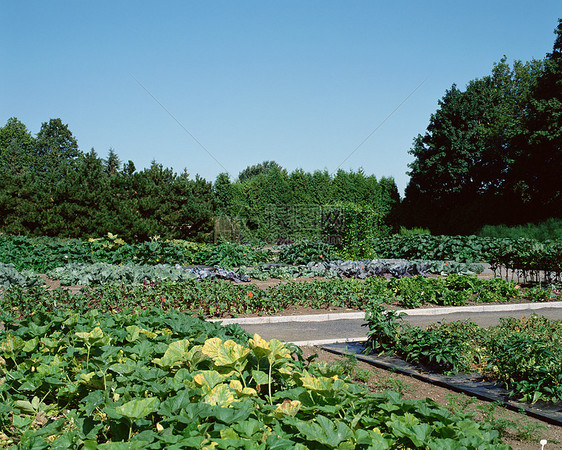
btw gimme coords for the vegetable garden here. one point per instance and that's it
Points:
(128, 359)
(171, 381)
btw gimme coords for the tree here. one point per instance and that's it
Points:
(252, 171)
(464, 160)
(223, 193)
(111, 164)
(78, 206)
(538, 171)
(17, 147)
(57, 150)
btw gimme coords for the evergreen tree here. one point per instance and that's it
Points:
(57, 150)
(111, 164)
(223, 194)
(252, 171)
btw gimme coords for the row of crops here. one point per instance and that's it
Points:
(103, 273)
(524, 259)
(219, 298)
(42, 254)
(533, 260)
(522, 354)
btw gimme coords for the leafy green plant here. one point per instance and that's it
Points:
(348, 366)
(533, 259)
(384, 330)
(496, 416)
(228, 255)
(412, 231)
(163, 379)
(550, 229)
(306, 251)
(9, 277)
(43, 254)
(526, 358)
(520, 353)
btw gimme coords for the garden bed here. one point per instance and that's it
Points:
(473, 384)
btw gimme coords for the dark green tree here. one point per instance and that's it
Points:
(57, 150)
(111, 164)
(17, 146)
(537, 175)
(223, 194)
(251, 171)
(78, 206)
(464, 160)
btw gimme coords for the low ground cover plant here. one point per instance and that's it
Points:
(361, 269)
(103, 273)
(522, 354)
(550, 229)
(166, 380)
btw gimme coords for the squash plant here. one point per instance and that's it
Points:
(167, 380)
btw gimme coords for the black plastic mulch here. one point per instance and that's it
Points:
(471, 384)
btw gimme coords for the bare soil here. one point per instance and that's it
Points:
(523, 432)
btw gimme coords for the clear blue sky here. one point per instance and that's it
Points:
(299, 82)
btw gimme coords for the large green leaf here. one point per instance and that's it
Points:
(11, 344)
(96, 337)
(138, 408)
(176, 353)
(220, 395)
(325, 431)
(273, 350)
(208, 379)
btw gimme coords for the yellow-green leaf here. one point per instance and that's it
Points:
(11, 344)
(94, 337)
(288, 407)
(322, 383)
(229, 433)
(278, 351)
(236, 385)
(208, 379)
(220, 395)
(175, 354)
(227, 353)
(30, 345)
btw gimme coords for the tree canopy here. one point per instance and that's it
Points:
(48, 186)
(491, 152)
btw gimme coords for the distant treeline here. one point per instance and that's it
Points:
(48, 186)
(491, 154)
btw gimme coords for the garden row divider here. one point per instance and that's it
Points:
(320, 317)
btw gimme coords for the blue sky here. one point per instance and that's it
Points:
(299, 82)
